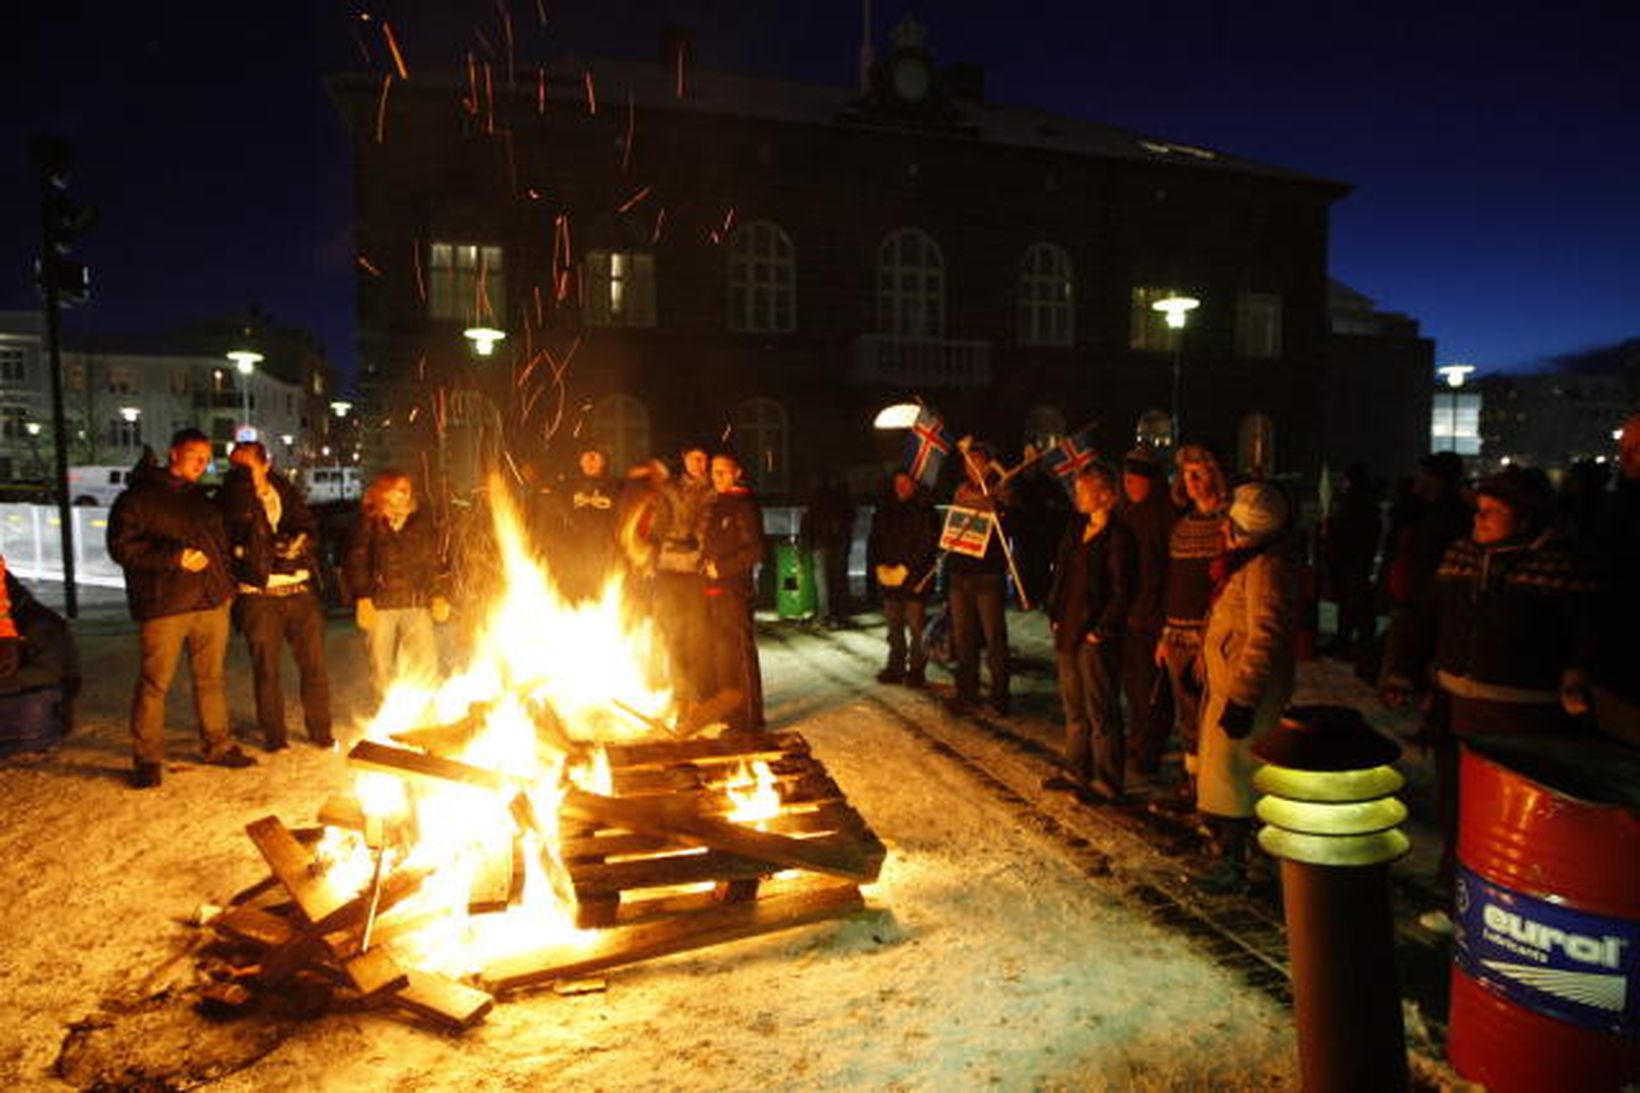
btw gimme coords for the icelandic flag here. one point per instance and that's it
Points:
(927, 446)
(968, 531)
(1066, 459)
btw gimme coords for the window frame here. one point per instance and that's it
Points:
(902, 283)
(762, 279)
(453, 287)
(1047, 295)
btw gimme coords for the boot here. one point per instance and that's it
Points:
(147, 775)
(1228, 873)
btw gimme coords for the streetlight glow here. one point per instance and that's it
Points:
(1455, 374)
(341, 407)
(245, 360)
(33, 428)
(130, 413)
(1176, 309)
(483, 338)
(901, 415)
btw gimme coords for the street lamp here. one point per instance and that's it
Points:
(341, 407)
(1176, 309)
(246, 361)
(483, 338)
(130, 414)
(901, 415)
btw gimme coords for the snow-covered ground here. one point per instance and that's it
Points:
(989, 955)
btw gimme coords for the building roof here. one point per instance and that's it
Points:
(654, 86)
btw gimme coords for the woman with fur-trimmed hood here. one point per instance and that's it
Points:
(1248, 653)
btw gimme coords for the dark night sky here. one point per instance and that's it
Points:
(1495, 152)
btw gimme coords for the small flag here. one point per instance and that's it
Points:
(1069, 457)
(927, 447)
(968, 531)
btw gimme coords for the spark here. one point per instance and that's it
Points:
(381, 107)
(660, 222)
(635, 198)
(728, 219)
(541, 90)
(536, 292)
(393, 48)
(626, 147)
(541, 11)
(471, 101)
(592, 92)
(507, 36)
(368, 266)
(681, 49)
(489, 101)
(505, 454)
(415, 258)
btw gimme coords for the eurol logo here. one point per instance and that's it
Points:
(1604, 951)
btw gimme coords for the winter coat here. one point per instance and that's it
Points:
(681, 520)
(1350, 537)
(1093, 583)
(1501, 622)
(158, 517)
(259, 549)
(1248, 654)
(732, 541)
(395, 569)
(905, 533)
(1152, 525)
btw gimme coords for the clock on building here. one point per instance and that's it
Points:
(911, 77)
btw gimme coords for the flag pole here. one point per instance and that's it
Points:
(1002, 538)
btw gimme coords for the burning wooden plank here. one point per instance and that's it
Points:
(631, 944)
(847, 858)
(448, 1004)
(371, 755)
(297, 870)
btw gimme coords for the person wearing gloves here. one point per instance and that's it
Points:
(1248, 653)
(396, 573)
(1088, 602)
(903, 548)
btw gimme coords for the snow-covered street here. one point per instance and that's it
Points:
(1003, 944)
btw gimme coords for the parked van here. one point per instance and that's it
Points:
(322, 484)
(97, 485)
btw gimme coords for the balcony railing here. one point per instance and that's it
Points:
(920, 363)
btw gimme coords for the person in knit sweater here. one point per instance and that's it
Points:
(1197, 539)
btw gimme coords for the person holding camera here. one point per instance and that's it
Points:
(273, 537)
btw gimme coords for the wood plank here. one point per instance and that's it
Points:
(398, 886)
(630, 944)
(836, 856)
(662, 753)
(253, 925)
(448, 1004)
(375, 973)
(599, 878)
(297, 870)
(371, 755)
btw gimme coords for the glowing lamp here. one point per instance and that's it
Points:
(483, 338)
(245, 360)
(1455, 374)
(1176, 309)
(287, 439)
(1331, 816)
(32, 427)
(901, 415)
(341, 407)
(130, 413)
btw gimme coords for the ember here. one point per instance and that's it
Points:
(510, 827)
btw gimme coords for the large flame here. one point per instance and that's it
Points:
(544, 683)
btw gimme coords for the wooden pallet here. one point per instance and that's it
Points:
(661, 845)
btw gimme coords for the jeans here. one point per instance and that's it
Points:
(268, 622)
(977, 604)
(904, 613)
(1149, 698)
(1184, 675)
(205, 635)
(401, 643)
(1094, 743)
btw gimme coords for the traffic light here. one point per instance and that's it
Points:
(63, 220)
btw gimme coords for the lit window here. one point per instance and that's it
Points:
(910, 285)
(1258, 325)
(466, 282)
(1047, 303)
(124, 434)
(762, 279)
(1154, 429)
(621, 424)
(620, 288)
(12, 361)
(179, 381)
(122, 380)
(1455, 423)
(760, 437)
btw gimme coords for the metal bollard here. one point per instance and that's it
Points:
(1331, 818)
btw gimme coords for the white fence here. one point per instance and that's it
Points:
(31, 541)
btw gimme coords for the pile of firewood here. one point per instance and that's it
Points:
(656, 867)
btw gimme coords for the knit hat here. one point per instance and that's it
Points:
(1525, 490)
(1258, 510)
(1142, 461)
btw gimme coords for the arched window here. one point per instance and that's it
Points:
(762, 279)
(1047, 300)
(760, 438)
(620, 423)
(910, 285)
(1155, 430)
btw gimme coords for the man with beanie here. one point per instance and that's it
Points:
(1503, 639)
(1249, 657)
(1149, 514)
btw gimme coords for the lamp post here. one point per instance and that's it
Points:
(246, 361)
(1176, 309)
(131, 415)
(1332, 819)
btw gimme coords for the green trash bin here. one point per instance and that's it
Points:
(794, 593)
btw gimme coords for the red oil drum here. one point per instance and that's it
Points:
(1546, 960)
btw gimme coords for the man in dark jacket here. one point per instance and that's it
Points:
(274, 539)
(1349, 546)
(680, 589)
(168, 537)
(586, 545)
(978, 597)
(903, 547)
(1088, 605)
(1148, 512)
(731, 547)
